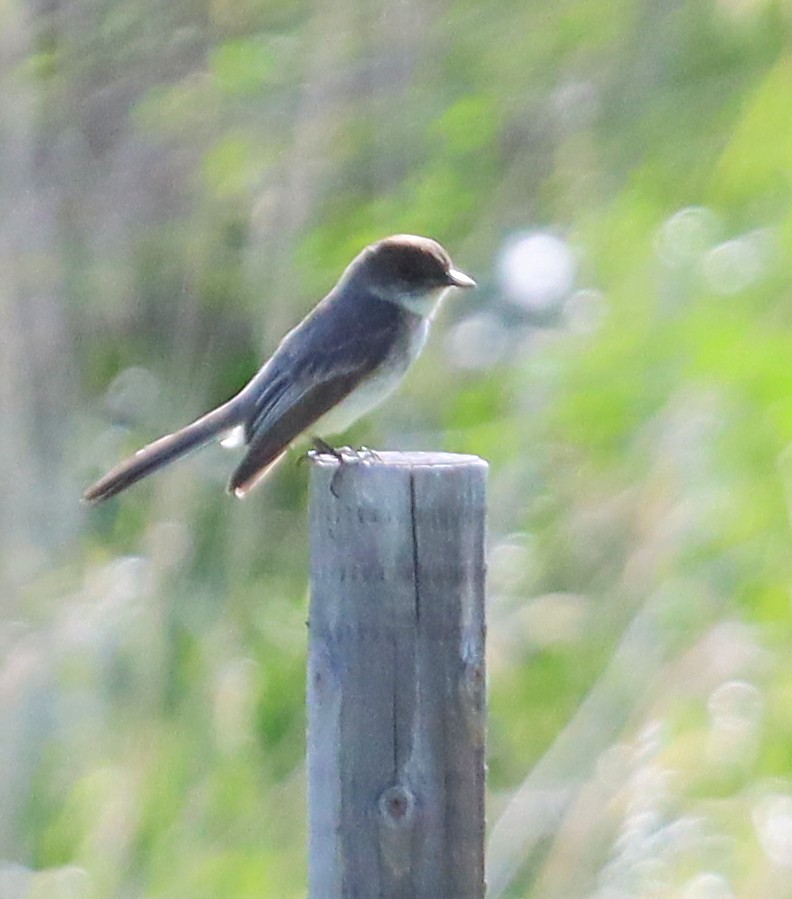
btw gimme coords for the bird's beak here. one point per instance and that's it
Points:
(460, 279)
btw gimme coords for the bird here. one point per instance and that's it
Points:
(349, 353)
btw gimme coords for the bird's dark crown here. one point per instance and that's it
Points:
(405, 263)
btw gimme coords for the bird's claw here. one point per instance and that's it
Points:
(344, 455)
(366, 454)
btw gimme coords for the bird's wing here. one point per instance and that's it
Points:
(269, 443)
(297, 395)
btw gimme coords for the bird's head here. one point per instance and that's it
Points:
(412, 271)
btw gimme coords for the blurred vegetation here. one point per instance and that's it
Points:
(180, 182)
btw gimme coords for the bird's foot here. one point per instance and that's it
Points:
(343, 454)
(322, 448)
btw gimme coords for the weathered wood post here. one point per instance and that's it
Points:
(396, 678)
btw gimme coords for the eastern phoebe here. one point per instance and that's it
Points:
(343, 359)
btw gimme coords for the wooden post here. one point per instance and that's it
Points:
(396, 678)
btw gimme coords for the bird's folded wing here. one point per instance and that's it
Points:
(316, 366)
(289, 406)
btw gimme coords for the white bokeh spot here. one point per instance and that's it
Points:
(537, 270)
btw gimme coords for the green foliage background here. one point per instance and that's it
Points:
(179, 182)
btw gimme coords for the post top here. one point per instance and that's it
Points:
(394, 459)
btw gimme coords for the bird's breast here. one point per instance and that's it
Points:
(373, 389)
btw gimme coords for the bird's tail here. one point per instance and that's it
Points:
(165, 450)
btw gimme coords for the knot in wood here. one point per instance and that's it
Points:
(397, 805)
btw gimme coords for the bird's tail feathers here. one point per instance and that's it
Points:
(165, 450)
